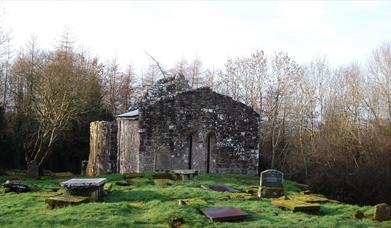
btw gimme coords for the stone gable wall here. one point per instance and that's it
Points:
(165, 125)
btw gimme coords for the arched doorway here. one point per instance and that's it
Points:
(210, 152)
(191, 148)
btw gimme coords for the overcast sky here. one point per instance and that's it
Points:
(213, 30)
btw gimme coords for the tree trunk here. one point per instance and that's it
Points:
(33, 170)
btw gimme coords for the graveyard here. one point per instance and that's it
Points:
(153, 200)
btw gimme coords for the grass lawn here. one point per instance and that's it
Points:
(145, 204)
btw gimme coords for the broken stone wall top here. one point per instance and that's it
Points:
(166, 86)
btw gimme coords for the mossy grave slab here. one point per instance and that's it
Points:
(242, 196)
(62, 201)
(296, 205)
(309, 198)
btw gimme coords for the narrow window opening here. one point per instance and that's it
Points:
(190, 139)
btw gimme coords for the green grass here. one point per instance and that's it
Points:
(144, 204)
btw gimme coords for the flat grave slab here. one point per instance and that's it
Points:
(222, 214)
(88, 187)
(309, 198)
(296, 205)
(84, 182)
(186, 174)
(219, 188)
(62, 201)
(241, 196)
(14, 186)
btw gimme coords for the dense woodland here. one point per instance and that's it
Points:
(325, 126)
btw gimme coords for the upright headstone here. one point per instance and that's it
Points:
(83, 170)
(270, 185)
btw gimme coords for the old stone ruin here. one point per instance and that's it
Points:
(178, 128)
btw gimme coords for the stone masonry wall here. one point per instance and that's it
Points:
(128, 145)
(102, 156)
(166, 124)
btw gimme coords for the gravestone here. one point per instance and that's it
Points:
(91, 187)
(185, 174)
(270, 185)
(219, 188)
(13, 186)
(84, 164)
(222, 214)
(382, 212)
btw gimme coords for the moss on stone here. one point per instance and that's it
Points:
(270, 192)
(107, 187)
(382, 212)
(242, 196)
(62, 201)
(309, 198)
(296, 205)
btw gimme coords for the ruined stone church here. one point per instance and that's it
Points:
(176, 127)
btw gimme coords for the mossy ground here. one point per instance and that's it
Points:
(144, 204)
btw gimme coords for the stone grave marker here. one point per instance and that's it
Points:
(186, 174)
(224, 214)
(13, 186)
(296, 205)
(382, 212)
(90, 187)
(219, 188)
(270, 185)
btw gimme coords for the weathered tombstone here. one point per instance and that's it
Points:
(382, 212)
(83, 170)
(271, 184)
(224, 214)
(219, 188)
(33, 170)
(92, 188)
(13, 186)
(185, 174)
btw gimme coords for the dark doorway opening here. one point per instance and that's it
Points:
(190, 140)
(211, 141)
